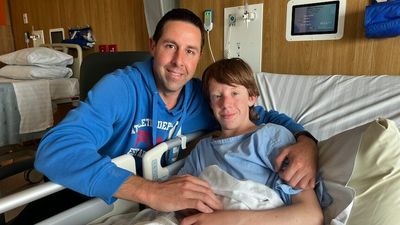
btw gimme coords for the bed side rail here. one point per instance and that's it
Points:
(41, 190)
(29, 195)
(65, 47)
(152, 168)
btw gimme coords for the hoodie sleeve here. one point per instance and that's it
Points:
(68, 153)
(277, 118)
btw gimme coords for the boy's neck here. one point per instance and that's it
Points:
(246, 128)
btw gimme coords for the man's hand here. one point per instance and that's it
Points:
(303, 161)
(177, 193)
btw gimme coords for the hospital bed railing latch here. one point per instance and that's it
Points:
(152, 168)
(183, 141)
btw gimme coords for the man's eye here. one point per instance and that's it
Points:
(190, 52)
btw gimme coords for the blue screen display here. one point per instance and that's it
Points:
(317, 18)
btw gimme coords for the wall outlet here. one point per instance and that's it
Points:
(37, 37)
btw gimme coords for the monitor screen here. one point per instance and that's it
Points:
(56, 35)
(317, 18)
(309, 20)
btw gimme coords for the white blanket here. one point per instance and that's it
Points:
(244, 195)
(34, 105)
(234, 194)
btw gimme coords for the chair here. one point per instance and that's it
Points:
(96, 65)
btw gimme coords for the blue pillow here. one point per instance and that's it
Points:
(382, 19)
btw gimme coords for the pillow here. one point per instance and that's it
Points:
(336, 161)
(37, 56)
(376, 176)
(35, 72)
(360, 167)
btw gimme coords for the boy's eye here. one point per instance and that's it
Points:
(215, 97)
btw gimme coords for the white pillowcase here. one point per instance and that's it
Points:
(365, 159)
(37, 56)
(35, 72)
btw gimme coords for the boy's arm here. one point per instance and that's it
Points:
(305, 209)
(302, 156)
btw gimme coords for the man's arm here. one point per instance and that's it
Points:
(302, 156)
(305, 209)
(301, 171)
(177, 193)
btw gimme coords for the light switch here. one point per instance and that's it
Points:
(25, 18)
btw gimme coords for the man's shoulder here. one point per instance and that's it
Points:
(273, 129)
(194, 82)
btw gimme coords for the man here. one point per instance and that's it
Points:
(133, 109)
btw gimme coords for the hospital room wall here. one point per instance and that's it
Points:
(6, 37)
(120, 22)
(353, 54)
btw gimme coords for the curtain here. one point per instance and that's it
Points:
(154, 10)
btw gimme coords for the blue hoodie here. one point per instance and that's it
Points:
(117, 118)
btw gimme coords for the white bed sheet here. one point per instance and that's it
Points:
(34, 98)
(64, 88)
(356, 100)
(59, 88)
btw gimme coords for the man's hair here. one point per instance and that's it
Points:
(179, 14)
(231, 71)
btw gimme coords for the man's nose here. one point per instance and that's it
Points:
(179, 57)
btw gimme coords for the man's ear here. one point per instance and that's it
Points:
(152, 46)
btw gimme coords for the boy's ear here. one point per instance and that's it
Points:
(252, 100)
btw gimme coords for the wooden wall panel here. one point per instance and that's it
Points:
(120, 22)
(353, 54)
(6, 37)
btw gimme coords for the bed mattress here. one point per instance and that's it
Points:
(59, 88)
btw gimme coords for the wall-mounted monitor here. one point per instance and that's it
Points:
(56, 35)
(308, 20)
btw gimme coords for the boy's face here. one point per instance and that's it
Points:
(176, 55)
(230, 104)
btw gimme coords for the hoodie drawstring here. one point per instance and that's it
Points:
(154, 119)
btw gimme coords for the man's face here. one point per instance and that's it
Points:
(176, 55)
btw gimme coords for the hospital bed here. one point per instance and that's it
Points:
(28, 104)
(356, 119)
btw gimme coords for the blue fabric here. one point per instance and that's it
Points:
(382, 19)
(246, 157)
(115, 119)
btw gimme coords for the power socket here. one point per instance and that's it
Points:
(208, 20)
(37, 37)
